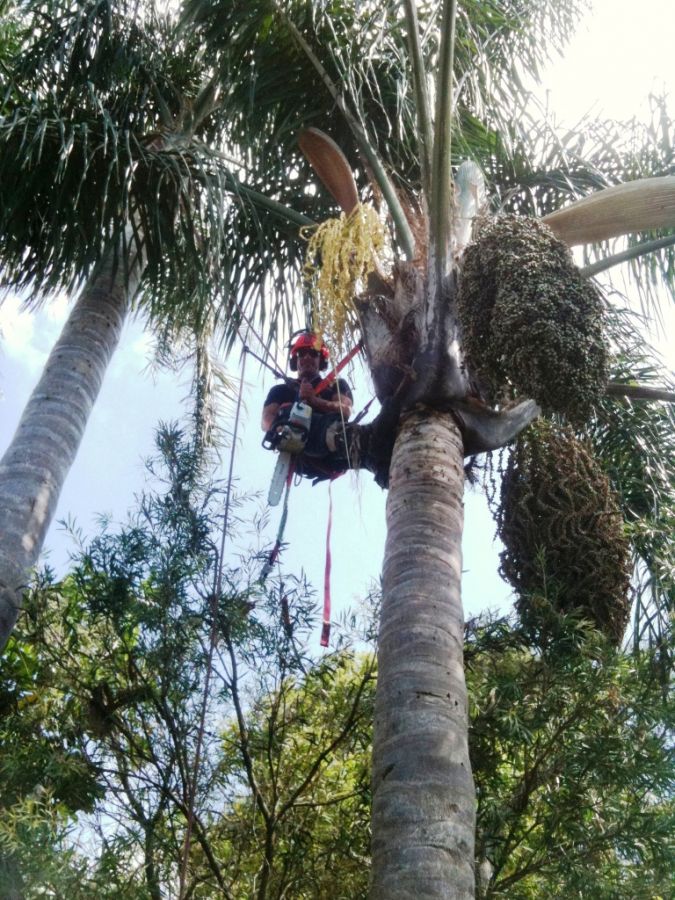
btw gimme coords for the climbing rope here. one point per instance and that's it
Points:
(213, 639)
(266, 350)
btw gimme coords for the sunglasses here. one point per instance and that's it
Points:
(306, 352)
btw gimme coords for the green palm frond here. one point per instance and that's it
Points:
(635, 442)
(88, 98)
(364, 49)
(111, 119)
(533, 170)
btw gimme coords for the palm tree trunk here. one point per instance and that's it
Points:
(423, 795)
(37, 461)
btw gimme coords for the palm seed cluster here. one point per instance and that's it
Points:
(532, 324)
(563, 531)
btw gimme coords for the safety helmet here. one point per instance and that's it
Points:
(307, 340)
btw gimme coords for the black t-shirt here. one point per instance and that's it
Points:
(288, 393)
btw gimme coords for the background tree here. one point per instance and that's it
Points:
(114, 189)
(373, 62)
(571, 751)
(572, 758)
(171, 699)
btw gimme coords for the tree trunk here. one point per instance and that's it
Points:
(37, 461)
(423, 794)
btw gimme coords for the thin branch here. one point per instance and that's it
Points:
(640, 392)
(425, 139)
(339, 798)
(632, 253)
(273, 206)
(325, 753)
(235, 186)
(441, 173)
(388, 190)
(201, 833)
(244, 748)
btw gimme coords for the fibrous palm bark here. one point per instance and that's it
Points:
(34, 466)
(423, 793)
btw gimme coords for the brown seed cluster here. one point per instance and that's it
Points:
(532, 325)
(563, 532)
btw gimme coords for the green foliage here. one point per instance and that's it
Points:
(46, 777)
(102, 693)
(635, 443)
(35, 856)
(531, 324)
(110, 144)
(573, 759)
(305, 807)
(112, 672)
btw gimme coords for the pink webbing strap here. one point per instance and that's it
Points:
(325, 631)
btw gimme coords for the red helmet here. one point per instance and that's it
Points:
(308, 340)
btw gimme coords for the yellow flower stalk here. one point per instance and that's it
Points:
(340, 254)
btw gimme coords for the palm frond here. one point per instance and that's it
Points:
(111, 119)
(533, 170)
(635, 442)
(364, 49)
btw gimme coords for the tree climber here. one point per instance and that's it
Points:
(330, 408)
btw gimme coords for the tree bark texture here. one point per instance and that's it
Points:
(37, 461)
(423, 814)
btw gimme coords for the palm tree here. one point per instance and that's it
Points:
(361, 72)
(110, 191)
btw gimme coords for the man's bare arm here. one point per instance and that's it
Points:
(269, 414)
(338, 403)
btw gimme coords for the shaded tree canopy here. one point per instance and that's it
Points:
(100, 698)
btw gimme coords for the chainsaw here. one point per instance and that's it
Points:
(288, 436)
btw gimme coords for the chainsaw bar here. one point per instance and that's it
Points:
(279, 479)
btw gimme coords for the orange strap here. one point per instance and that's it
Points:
(330, 378)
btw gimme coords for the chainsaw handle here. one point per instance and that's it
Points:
(271, 439)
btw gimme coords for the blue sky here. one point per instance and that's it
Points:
(621, 53)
